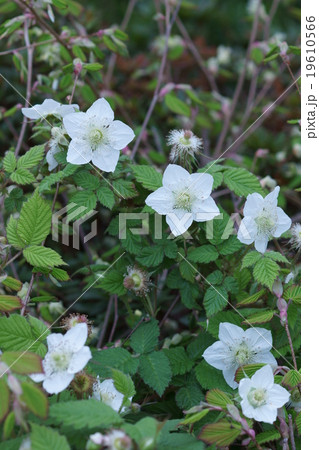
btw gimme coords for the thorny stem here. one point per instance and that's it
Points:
(169, 25)
(291, 433)
(239, 85)
(29, 84)
(291, 346)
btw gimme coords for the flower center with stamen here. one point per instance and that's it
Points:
(60, 361)
(96, 137)
(257, 397)
(265, 222)
(243, 355)
(183, 201)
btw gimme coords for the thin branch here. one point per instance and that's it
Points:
(291, 346)
(170, 309)
(116, 316)
(169, 25)
(291, 433)
(27, 297)
(105, 322)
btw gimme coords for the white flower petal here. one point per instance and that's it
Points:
(215, 355)
(52, 162)
(201, 185)
(105, 158)
(266, 358)
(79, 152)
(283, 223)
(119, 134)
(259, 338)
(265, 413)
(261, 243)
(53, 340)
(230, 333)
(76, 336)
(253, 205)
(64, 110)
(247, 408)
(57, 382)
(75, 125)
(205, 210)
(179, 222)
(48, 107)
(37, 377)
(247, 231)
(244, 387)
(278, 396)
(174, 175)
(272, 198)
(263, 378)
(101, 108)
(162, 201)
(79, 360)
(229, 375)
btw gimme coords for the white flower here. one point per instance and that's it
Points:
(261, 397)
(57, 139)
(237, 348)
(114, 440)
(224, 54)
(66, 356)
(183, 198)
(184, 143)
(212, 65)
(263, 219)
(108, 394)
(295, 240)
(47, 108)
(96, 136)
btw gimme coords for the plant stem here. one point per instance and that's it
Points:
(291, 433)
(170, 309)
(115, 319)
(105, 322)
(291, 346)
(27, 297)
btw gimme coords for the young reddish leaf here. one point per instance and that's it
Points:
(9, 303)
(23, 363)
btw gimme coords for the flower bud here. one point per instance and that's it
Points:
(136, 280)
(82, 384)
(14, 385)
(277, 288)
(73, 319)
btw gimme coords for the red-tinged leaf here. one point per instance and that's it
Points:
(23, 363)
(292, 378)
(9, 303)
(35, 399)
(5, 399)
(247, 371)
(216, 397)
(12, 283)
(222, 433)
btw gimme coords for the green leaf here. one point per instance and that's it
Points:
(210, 378)
(32, 157)
(145, 338)
(93, 67)
(187, 270)
(247, 371)
(35, 399)
(112, 282)
(292, 378)
(106, 197)
(193, 418)
(222, 433)
(86, 180)
(252, 298)
(298, 423)
(293, 293)
(5, 399)
(179, 361)
(123, 383)
(22, 176)
(81, 414)
(86, 199)
(250, 259)
(9, 303)
(242, 182)
(176, 105)
(151, 256)
(203, 254)
(117, 358)
(267, 436)
(60, 274)
(148, 177)
(39, 256)
(47, 438)
(22, 363)
(276, 256)
(215, 300)
(12, 283)
(9, 162)
(189, 395)
(259, 317)
(34, 223)
(266, 271)
(124, 188)
(54, 178)
(229, 246)
(216, 397)
(18, 334)
(155, 371)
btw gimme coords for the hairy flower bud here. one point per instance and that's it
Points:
(136, 280)
(82, 384)
(73, 319)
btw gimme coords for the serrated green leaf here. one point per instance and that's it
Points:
(229, 246)
(47, 438)
(216, 397)
(22, 176)
(86, 180)
(193, 418)
(247, 371)
(266, 271)
(34, 223)
(117, 358)
(60, 274)
(215, 300)
(267, 436)
(189, 395)
(123, 383)
(35, 399)
(155, 371)
(18, 334)
(222, 433)
(112, 282)
(251, 299)
(93, 67)
(145, 338)
(39, 256)
(54, 178)
(22, 363)
(291, 378)
(176, 105)
(124, 189)
(298, 423)
(81, 414)
(210, 378)
(250, 259)
(203, 254)
(148, 177)
(105, 196)
(276, 256)
(187, 270)
(293, 293)
(9, 162)
(259, 317)
(179, 361)
(151, 256)
(32, 157)
(242, 182)
(9, 303)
